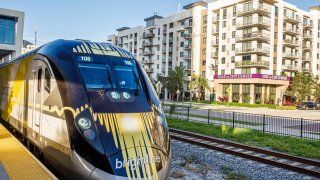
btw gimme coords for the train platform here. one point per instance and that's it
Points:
(16, 162)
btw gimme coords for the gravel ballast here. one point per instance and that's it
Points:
(194, 162)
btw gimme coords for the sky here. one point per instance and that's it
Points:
(94, 19)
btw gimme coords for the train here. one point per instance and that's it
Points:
(89, 109)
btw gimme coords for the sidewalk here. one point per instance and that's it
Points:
(306, 114)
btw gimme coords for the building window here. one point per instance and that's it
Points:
(245, 93)
(204, 29)
(233, 34)
(232, 71)
(182, 34)
(233, 22)
(223, 48)
(204, 62)
(7, 30)
(204, 51)
(171, 25)
(223, 60)
(205, 18)
(181, 54)
(181, 44)
(204, 40)
(235, 92)
(234, 12)
(246, 58)
(222, 72)
(258, 71)
(224, 24)
(223, 36)
(224, 13)
(258, 93)
(225, 89)
(246, 71)
(233, 47)
(232, 59)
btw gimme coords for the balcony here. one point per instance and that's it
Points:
(215, 31)
(148, 62)
(264, 51)
(291, 19)
(187, 25)
(307, 25)
(307, 36)
(147, 44)
(259, 63)
(291, 31)
(215, 43)
(170, 40)
(214, 54)
(306, 58)
(290, 68)
(290, 43)
(169, 59)
(263, 10)
(255, 36)
(290, 55)
(262, 23)
(214, 66)
(148, 53)
(306, 69)
(163, 60)
(306, 47)
(164, 31)
(187, 46)
(149, 70)
(170, 49)
(216, 20)
(187, 57)
(148, 35)
(188, 36)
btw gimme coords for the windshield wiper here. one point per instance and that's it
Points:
(136, 83)
(105, 86)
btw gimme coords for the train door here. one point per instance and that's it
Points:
(38, 74)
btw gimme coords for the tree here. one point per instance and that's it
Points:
(316, 90)
(202, 84)
(302, 86)
(176, 79)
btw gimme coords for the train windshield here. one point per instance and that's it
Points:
(97, 76)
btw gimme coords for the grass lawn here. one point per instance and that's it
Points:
(289, 145)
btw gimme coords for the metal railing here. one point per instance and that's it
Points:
(260, 63)
(296, 127)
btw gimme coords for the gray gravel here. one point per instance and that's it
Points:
(194, 162)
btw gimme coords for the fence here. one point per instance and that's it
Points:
(297, 127)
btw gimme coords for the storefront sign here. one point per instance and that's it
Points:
(252, 76)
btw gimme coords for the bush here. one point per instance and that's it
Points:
(286, 107)
(223, 99)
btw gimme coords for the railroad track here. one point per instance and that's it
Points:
(293, 163)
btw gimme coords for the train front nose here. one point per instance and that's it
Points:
(136, 163)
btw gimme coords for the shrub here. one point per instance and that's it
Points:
(286, 107)
(223, 99)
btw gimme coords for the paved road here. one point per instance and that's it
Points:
(268, 123)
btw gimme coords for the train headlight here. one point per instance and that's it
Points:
(89, 134)
(84, 123)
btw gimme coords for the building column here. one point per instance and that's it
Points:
(252, 100)
(230, 93)
(240, 93)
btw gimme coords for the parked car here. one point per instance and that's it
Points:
(317, 105)
(307, 105)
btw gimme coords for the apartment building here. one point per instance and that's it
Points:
(249, 50)
(166, 42)
(254, 48)
(11, 31)
(130, 39)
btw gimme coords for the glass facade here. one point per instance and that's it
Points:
(7, 30)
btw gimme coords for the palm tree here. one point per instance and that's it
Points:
(176, 79)
(202, 84)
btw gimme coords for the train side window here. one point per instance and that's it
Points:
(47, 80)
(39, 79)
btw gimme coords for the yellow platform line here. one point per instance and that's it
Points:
(18, 162)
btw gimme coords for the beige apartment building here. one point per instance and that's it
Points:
(255, 48)
(249, 50)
